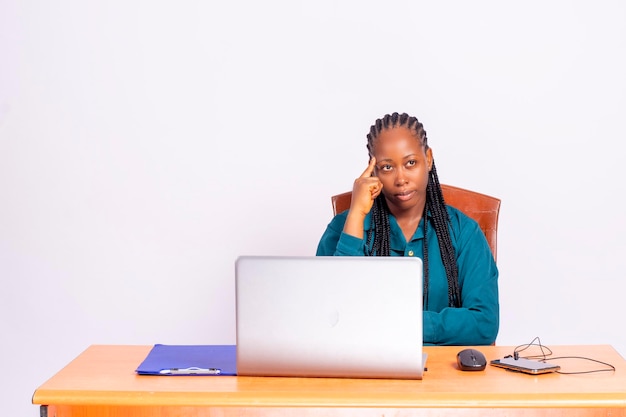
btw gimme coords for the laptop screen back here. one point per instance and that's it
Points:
(353, 317)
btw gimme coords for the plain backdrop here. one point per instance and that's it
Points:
(144, 145)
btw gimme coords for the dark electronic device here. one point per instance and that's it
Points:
(471, 360)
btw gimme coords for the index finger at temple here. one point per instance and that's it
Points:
(370, 168)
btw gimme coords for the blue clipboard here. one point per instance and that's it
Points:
(169, 360)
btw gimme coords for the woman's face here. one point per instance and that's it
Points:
(402, 166)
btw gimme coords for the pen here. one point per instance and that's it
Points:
(190, 371)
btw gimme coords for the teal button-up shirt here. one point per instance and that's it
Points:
(476, 322)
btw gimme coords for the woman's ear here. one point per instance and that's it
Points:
(429, 158)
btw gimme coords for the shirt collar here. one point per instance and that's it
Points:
(397, 240)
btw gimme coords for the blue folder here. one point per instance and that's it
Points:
(190, 360)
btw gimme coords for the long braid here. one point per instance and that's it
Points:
(426, 274)
(380, 246)
(441, 220)
(435, 204)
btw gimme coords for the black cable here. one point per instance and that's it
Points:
(543, 355)
(610, 368)
(546, 351)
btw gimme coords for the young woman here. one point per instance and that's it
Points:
(398, 209)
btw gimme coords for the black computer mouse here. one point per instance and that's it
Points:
(471, 360)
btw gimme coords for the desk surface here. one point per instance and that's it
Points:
(104, 374)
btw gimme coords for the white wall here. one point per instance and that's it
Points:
(144, 145)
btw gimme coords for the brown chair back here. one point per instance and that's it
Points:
(480, 207)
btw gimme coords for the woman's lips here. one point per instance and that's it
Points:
(404, 196)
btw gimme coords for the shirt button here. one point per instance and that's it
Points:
(411, 253)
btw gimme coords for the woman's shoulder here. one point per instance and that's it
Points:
(460, 220)
(455, 212)
(339, 220)
(465, 231)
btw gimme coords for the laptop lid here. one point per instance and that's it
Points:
(353, 317)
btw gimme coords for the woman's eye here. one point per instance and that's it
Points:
(386, 167)
(412, 163)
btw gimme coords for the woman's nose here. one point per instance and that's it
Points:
(400, 178)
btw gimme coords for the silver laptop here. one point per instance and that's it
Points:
(352, 317)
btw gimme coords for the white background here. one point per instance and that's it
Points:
(144, 145)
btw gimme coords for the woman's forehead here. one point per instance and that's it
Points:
(398, 137)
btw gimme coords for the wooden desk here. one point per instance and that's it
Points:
(102, 382)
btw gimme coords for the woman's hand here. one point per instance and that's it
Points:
(364, 191)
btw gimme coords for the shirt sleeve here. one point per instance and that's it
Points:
(476, 322)
(335, 242)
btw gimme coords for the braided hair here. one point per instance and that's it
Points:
(435, 204)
